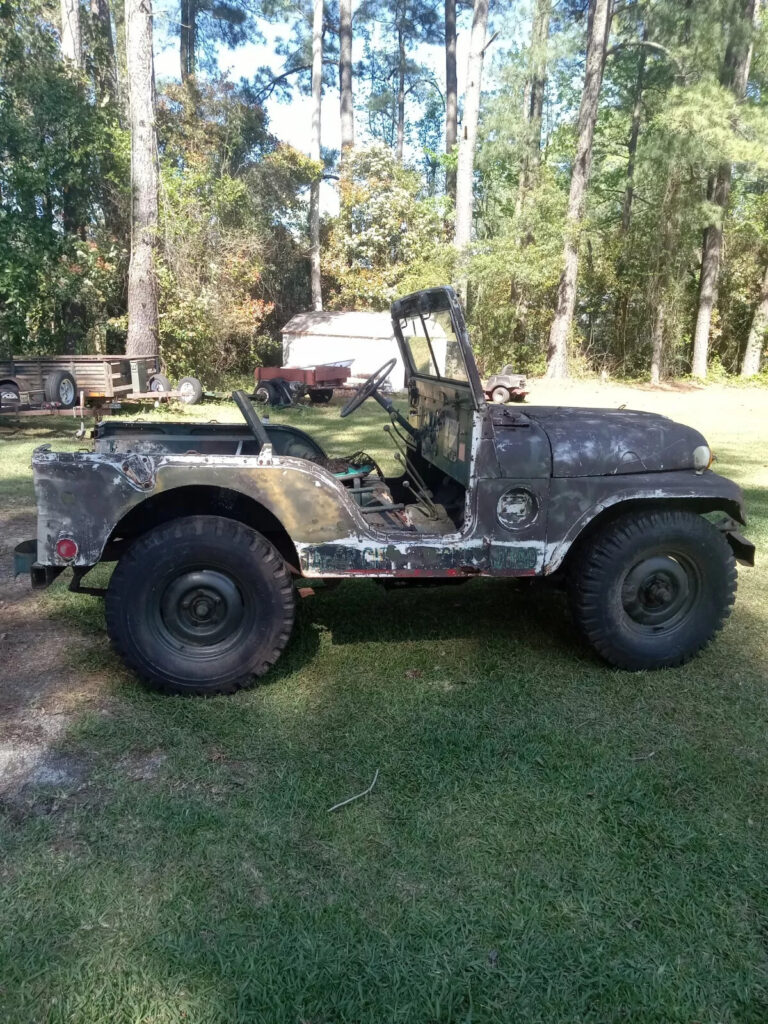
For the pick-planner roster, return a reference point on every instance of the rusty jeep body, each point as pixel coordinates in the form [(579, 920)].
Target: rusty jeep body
[(212, 525)]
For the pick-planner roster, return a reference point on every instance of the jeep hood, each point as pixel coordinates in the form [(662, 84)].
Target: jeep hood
[(603, 442)]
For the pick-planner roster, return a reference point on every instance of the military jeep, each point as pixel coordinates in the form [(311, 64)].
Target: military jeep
[(212, 525)]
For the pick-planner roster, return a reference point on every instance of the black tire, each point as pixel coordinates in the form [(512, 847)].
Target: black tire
[(190, 390), (500, 395), (320, 396), (651, 589), (60, 387), (159, 382), (9, 394), (265, 394), (199, 606)]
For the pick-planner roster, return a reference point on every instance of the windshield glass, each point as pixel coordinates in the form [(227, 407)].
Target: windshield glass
[(433, 345)]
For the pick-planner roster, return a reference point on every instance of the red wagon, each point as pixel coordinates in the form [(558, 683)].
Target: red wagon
[(283, 385)]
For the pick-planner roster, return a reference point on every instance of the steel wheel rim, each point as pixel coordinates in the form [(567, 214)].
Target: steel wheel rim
[(659, 592), (66, 391), (203, 609), (186, 391)]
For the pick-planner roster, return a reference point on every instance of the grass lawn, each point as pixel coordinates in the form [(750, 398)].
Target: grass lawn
[(549, 840)]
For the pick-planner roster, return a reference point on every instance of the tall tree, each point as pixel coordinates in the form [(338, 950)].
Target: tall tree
[(533, 96), (757, 332), (315, 153), (634, 135), (734, 75), (598, 28), (346, 99), (105, 68), (217, 21), (71, 33), (466, 164), (451, 93), (142, 279)]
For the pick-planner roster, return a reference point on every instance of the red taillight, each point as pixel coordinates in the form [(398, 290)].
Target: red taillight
[(66, 548)]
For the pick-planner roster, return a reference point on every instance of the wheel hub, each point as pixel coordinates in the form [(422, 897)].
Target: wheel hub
[(203, 607), (658, 592)]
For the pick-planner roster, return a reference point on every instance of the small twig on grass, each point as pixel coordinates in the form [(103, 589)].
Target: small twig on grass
[(644, 757), (357, 796)]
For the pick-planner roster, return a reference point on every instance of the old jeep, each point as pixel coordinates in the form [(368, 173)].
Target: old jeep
[(211, 525)]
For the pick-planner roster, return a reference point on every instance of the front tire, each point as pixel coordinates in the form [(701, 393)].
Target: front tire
[(200, 606), (652, 588)]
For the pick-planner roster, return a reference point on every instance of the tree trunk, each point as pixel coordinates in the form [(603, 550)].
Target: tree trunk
[(634, 134), (533, 98), (71, 35), (346, 99), (597, 38), (315, 153), (121, 66), (142, 281), (735, 74), (657, 339), (188, 38), (400, 94), (466, 165), (105, 72), (757, 331), (451, 92)]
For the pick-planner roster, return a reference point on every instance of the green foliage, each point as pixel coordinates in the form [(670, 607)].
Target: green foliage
[(229, 193), (385, 231), (62, 169)]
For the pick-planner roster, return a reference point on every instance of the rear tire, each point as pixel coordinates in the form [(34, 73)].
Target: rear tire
[(60, 387), (200, 606), (500, 395), (190, 390), (652, 588)]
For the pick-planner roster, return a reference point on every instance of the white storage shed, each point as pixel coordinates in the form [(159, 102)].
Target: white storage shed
[(367, 339)]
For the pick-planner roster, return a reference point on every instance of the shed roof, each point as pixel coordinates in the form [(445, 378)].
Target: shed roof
[(341, 325)]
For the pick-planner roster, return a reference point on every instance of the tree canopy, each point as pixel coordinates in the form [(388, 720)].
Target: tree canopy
[(670, 230)]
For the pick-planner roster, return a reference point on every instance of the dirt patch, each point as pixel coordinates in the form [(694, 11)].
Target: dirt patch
[(40, 692)]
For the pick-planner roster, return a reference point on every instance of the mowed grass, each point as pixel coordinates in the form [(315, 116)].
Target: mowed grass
[(548, 839)]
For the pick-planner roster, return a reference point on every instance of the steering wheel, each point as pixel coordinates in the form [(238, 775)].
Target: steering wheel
[(251, 417), (369, 388)]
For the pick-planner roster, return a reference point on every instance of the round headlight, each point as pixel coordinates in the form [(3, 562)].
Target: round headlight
[(702, 458)]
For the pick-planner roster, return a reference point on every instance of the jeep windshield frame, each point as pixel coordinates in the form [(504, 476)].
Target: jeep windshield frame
[(421, 305)]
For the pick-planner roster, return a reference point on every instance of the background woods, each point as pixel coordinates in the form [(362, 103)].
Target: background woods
[(593, 175)]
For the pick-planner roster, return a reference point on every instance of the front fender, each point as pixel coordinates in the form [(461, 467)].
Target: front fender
[(575, 503), (84, 495)]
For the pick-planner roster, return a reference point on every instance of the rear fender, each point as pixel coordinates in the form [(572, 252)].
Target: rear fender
[(85, 496)]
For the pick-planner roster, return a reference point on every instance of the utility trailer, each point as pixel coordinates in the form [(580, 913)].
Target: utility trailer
[(284, 385), (59, 380)]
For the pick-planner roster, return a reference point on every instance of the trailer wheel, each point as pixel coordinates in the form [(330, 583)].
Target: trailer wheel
[(190, 390), (60, 387), (200, 605), (320, 396), (159, 382), (265, 394), (500, 395), (9, 394)]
